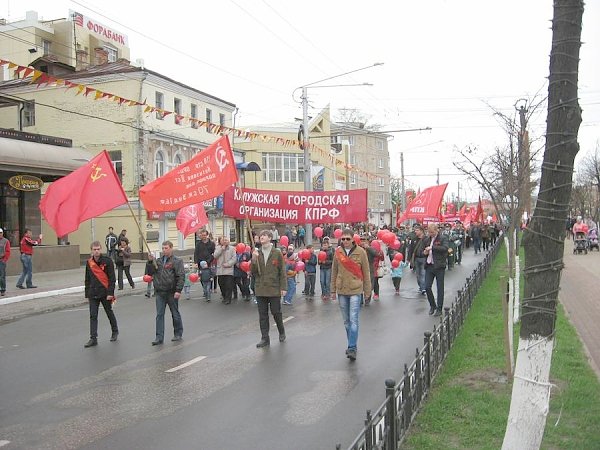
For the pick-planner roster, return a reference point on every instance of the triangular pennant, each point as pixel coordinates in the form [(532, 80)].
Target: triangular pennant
[(88, 90), (36, 75), (98, 95)]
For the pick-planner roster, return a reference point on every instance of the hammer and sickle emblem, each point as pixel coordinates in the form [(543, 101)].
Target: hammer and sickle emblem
[(221, 158), (96, 174)]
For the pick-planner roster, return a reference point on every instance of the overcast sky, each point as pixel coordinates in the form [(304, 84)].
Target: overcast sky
[(444, 62)]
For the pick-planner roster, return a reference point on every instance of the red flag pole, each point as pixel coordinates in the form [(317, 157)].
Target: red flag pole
[(247, 221), (141, 232)]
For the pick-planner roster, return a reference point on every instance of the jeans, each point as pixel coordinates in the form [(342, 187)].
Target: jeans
[(477, 245), (291, 290), (94, 306), (263, 315), (420, 268), (438, 274), (162, 300), (396, 281), (309, 283), (350, 307), (2, 276), (207, 287), (27, 271), (325, 281)]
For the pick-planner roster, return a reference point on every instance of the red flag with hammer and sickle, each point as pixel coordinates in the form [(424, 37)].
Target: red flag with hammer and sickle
[(191, 218), (206, 175), (86, 192)]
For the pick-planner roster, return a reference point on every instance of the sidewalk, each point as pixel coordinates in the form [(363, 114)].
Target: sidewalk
[(56, 290), (579, 296)]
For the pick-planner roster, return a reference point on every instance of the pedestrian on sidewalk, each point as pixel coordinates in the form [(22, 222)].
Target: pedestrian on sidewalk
[(123, 262), (111, 243), (100, 288), (350, 280), (4, 255), (269, 272), (168, 276), (226, 258), (27, 245), (436, 250)]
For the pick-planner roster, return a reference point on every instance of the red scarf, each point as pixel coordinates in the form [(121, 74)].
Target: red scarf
[(98, 272), (351, 266)]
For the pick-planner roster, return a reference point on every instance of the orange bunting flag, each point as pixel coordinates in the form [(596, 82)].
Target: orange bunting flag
[(207, 175), (86, 192)]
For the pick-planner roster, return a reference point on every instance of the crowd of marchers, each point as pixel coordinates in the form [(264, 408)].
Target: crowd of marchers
[(351, 263)]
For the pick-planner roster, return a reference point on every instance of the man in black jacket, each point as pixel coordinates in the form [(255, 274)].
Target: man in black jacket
[(100, 288), (205, 249), (436, 251), (168, 278)]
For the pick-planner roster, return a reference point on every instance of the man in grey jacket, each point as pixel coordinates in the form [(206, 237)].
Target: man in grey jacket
[(226, 259), (168, 277)]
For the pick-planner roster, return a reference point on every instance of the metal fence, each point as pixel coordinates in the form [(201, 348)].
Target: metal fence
[(386, 428)]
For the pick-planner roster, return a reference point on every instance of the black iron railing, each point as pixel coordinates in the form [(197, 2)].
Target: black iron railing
[(386, 428)]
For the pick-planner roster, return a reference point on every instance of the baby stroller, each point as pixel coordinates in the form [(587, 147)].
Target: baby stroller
[(580, 243), (593, 240)]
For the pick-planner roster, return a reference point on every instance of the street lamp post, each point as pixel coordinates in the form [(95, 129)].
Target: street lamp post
[(305, 134)]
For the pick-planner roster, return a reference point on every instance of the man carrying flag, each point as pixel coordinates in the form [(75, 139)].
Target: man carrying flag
[(100, 288)]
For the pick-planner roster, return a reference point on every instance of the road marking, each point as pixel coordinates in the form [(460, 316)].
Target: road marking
[(287, 319), (3, 443), (189, 363), (76, 309)]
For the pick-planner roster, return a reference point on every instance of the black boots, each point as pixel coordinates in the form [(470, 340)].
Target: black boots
[(264, 342), (91, 343)]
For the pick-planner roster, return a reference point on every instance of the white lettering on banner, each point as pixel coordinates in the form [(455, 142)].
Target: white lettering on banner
[(269, 213), (417, 209), (321, 213), (320, 200), (257, 197)]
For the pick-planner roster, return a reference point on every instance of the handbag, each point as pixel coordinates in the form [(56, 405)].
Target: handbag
[(382, 270)]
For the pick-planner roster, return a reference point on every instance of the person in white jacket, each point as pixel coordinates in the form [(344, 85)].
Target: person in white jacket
[(226, 259)]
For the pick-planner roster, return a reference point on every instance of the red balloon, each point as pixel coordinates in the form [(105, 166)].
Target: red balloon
[(398, 257), (376, 245), (318, 232), (322, 256), (389, 238), (337, 233), (395, 263), (396, 244), (299, 266), (284, 241), (147, 278), (356, 239), (240, 247), (305, 254), (245, 266), (193, 277), (247, 249), (380, 234)]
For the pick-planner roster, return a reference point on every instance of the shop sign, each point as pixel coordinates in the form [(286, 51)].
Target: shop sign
[(27, 183)]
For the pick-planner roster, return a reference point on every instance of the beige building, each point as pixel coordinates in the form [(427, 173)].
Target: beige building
[(367, 154), (143, 144)]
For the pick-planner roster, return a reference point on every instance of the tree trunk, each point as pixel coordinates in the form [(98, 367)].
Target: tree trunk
[(544, 240)]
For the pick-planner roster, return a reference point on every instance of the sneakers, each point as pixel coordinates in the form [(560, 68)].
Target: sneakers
[(351, 354), (157, 342), (437, 313), (114, 336), (91, 343), (376, 297), (285, 302), (20, 286), (263, 343), (176, 339)]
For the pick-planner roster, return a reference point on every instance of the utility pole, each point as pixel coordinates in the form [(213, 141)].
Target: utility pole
[(402, 191), (438, 177), (307, 168)]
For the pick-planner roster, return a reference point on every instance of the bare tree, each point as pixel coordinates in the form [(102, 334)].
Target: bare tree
[(544, 238), (357, 118), (586, 190)]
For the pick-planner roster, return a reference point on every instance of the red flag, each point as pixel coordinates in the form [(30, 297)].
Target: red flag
[(206, 175), (462, 212), (426, 204), (87, 192), (191, 218), (479, 213)]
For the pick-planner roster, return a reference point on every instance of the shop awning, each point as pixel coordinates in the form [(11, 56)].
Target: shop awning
[(46, 161)]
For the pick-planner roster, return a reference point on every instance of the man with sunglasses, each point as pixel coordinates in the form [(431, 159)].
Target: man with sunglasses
[(350, 280)]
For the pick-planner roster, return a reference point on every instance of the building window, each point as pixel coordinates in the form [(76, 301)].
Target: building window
[(351, 140), (336, 139), (353, 158), (380, 163), (380, 145), (381, 199), (194, 114), (159, 164), (111, 53), (380, 182), (177, 110), (178, 160), (353, 178), (222, 119), (160, 104), (117, 161), (283, 167), (29, 113), (208, 118), (46, 47)]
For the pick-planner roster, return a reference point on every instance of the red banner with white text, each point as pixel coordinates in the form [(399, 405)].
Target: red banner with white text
[(296, 207)]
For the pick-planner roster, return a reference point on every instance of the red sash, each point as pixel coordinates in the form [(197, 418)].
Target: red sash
[(98, 272), (350, 265)]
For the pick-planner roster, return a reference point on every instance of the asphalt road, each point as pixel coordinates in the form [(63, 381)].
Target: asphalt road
[(302, 394)]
